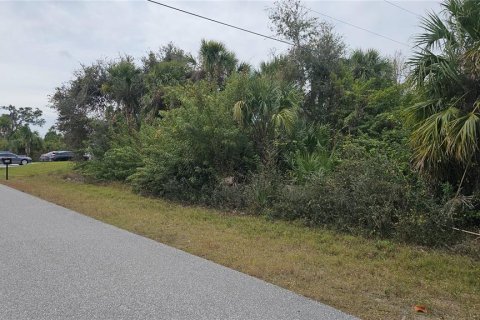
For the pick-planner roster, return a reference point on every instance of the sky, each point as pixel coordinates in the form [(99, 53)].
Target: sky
[(43, 42)]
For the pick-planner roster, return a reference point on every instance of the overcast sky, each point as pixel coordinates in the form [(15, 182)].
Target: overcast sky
[(43, 42)]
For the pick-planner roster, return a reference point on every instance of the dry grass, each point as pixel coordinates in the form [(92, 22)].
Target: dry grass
[(368, 278)]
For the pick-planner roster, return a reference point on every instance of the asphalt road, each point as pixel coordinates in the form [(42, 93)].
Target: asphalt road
[(58, 264)]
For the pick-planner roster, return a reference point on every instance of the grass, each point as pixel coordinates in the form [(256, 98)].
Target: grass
[(371, 279)]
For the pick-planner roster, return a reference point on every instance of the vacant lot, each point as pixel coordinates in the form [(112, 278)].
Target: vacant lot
[(368, 278)]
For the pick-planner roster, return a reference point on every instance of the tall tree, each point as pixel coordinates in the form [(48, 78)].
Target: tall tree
[(16, 118), (166, 53), (370, 64), (217, 62), (78, 101), (316, 53), (266, 108), (53, 140), (170, 67), (446, 74), (125, 86), (25, 141)]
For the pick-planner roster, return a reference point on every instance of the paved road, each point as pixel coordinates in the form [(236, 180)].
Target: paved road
[(58, 264)]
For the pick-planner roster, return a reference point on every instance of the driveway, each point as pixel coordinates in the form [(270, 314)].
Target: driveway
[(58, 264)]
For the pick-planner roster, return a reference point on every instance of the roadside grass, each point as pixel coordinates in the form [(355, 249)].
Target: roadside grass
[(371, 279)]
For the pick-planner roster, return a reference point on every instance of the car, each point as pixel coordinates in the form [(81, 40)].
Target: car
[(16, 159), (57, 156), (46, 156)]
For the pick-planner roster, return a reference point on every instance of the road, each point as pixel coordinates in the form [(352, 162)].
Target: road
[(58, 264)]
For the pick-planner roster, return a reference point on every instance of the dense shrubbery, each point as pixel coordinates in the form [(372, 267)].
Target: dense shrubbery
[(116, 164), (194, 147), (313, 135)]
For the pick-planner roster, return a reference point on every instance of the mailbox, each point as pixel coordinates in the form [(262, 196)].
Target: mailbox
[(6, 162)]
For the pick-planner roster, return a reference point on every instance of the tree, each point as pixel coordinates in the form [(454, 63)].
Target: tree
[(265, 108), (125, 86), (169, 67), (316, 53), (25, 141), (446, 75), (217, 62), (370, 64), (80, 100), (5, 126), (400, 70), (167, 53), (17, 118), (53, 140)]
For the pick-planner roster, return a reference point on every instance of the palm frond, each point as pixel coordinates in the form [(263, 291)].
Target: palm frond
[(436, 33), (429, 139), (238, 114), (464, 135), (422, 110), (284, 119)]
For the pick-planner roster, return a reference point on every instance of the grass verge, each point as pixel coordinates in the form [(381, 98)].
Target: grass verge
[(368, 278)]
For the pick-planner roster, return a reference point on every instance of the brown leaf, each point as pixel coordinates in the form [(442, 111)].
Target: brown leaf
[(420, 308)]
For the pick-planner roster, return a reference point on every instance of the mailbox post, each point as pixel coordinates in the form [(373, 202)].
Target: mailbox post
[(6, 162)]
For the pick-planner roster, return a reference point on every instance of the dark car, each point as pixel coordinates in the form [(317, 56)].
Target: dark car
[(16, 159), (57, 156)]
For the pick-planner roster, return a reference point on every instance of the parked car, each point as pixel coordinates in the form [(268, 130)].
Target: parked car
[(16, 159), (46, 156), (57, 156)]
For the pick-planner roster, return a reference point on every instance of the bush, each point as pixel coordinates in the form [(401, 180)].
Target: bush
[(116, 164), (357, 196), (193, 148), (372, 197)]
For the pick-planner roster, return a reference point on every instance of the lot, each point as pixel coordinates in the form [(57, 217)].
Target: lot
[(372, 279)]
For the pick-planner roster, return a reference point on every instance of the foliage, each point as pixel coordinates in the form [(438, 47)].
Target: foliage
[(445, 73), (371, 195), (194, 147), (78, 101), (54, 140), (370, 65), (317, 55), (116, 164), (217, 62), (17, 118), (124, 85), (313, 134), (24, 141), (265, 108), (15, 132)]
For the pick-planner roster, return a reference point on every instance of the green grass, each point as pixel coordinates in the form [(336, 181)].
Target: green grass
[(37, 169), (371, 279)]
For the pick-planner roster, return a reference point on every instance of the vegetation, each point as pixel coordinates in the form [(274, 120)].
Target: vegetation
[(17, 136), (369, 278), (446, 75), (341, 174), (316, 135)]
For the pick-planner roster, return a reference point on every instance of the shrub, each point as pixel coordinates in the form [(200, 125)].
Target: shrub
[(116, 164), (193, 148), (370, 196), (357, 196)]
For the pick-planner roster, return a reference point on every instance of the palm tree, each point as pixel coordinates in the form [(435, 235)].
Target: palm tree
[(217, 61), (446, 74), (25, 140), (267, 109), (370, 64), (125, 86)]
